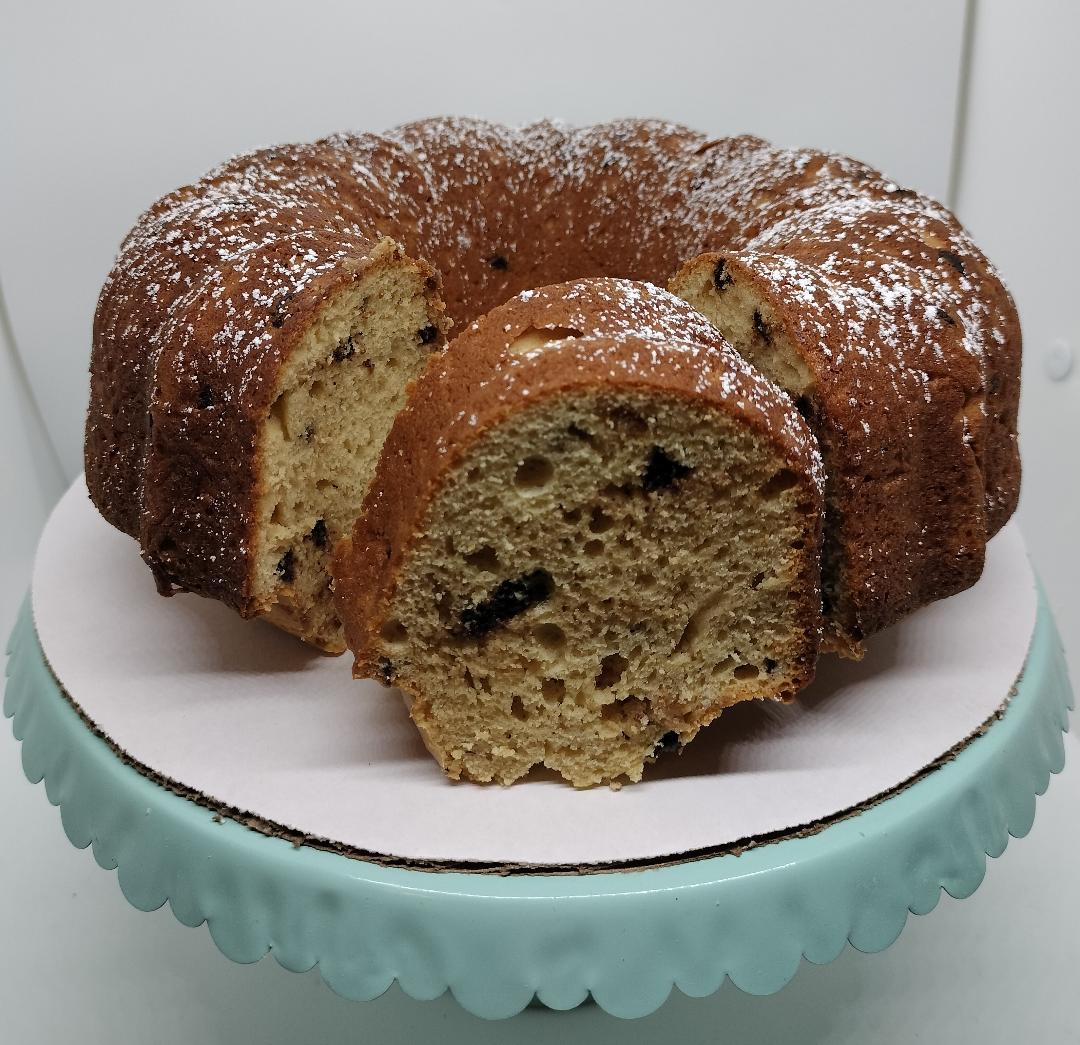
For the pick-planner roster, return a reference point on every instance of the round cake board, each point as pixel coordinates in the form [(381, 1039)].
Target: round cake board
[(246, 720)]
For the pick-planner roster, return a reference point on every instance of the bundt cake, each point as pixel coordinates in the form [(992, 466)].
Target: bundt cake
[(591, 529), (253, 342)]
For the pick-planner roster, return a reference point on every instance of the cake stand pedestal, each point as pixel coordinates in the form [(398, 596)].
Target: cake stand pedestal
[(621, 938)]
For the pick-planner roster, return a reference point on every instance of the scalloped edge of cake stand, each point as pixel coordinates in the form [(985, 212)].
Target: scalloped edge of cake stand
[(623, 939)]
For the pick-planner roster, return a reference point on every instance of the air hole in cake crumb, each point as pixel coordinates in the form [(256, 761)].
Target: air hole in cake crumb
[(472, 475), (517, 709), (696, 624), (573, 515), (612, 668), (770, 665), (746, 671), (724, 666), (206, 397), (645, 580), (426, 335), (551, 637), (279, 514), (757, 580), (690, 635), (594, 548), (782, 481), (553, 690), (668, 742), (498, 262), (581, 433), (279, 412), (805, 407), (626, 710), (625, 417), (600, 521), (442, 605), (533, 474), (617, 491), (394, 632), (484, 558)]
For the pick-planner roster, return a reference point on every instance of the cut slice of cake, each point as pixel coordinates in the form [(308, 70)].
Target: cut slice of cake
[(585, 538)]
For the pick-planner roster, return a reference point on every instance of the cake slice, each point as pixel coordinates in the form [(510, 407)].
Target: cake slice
[(585, 537)]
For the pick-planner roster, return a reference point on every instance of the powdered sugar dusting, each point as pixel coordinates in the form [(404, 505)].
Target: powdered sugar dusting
[(193, 321)]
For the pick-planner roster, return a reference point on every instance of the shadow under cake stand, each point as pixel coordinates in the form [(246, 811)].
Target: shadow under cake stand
[(222, 768)]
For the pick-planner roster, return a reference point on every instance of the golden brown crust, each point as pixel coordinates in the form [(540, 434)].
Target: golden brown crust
[(630, 340), (216, 281)]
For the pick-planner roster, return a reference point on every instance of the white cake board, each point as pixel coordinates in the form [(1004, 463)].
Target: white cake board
[(248, 718)]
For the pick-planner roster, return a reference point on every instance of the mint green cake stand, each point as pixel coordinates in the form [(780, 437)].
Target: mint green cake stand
[(622, 939)]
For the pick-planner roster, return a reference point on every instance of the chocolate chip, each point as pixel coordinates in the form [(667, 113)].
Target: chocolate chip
[(385, 671), (770, 664), (721, 278), (951, 259), (944, 317), (286, 567), (508, 599), (499, 262), (206, 397), (668, 742), (662, 471), (318, 534), (578, 432), (425, 335), (625, 417), (345, 350), (761, 328)]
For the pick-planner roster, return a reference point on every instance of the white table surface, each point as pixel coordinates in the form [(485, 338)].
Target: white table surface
[(78, 964)]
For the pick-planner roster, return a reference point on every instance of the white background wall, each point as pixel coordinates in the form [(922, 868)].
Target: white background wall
[(1019, 193), (107, 105)]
